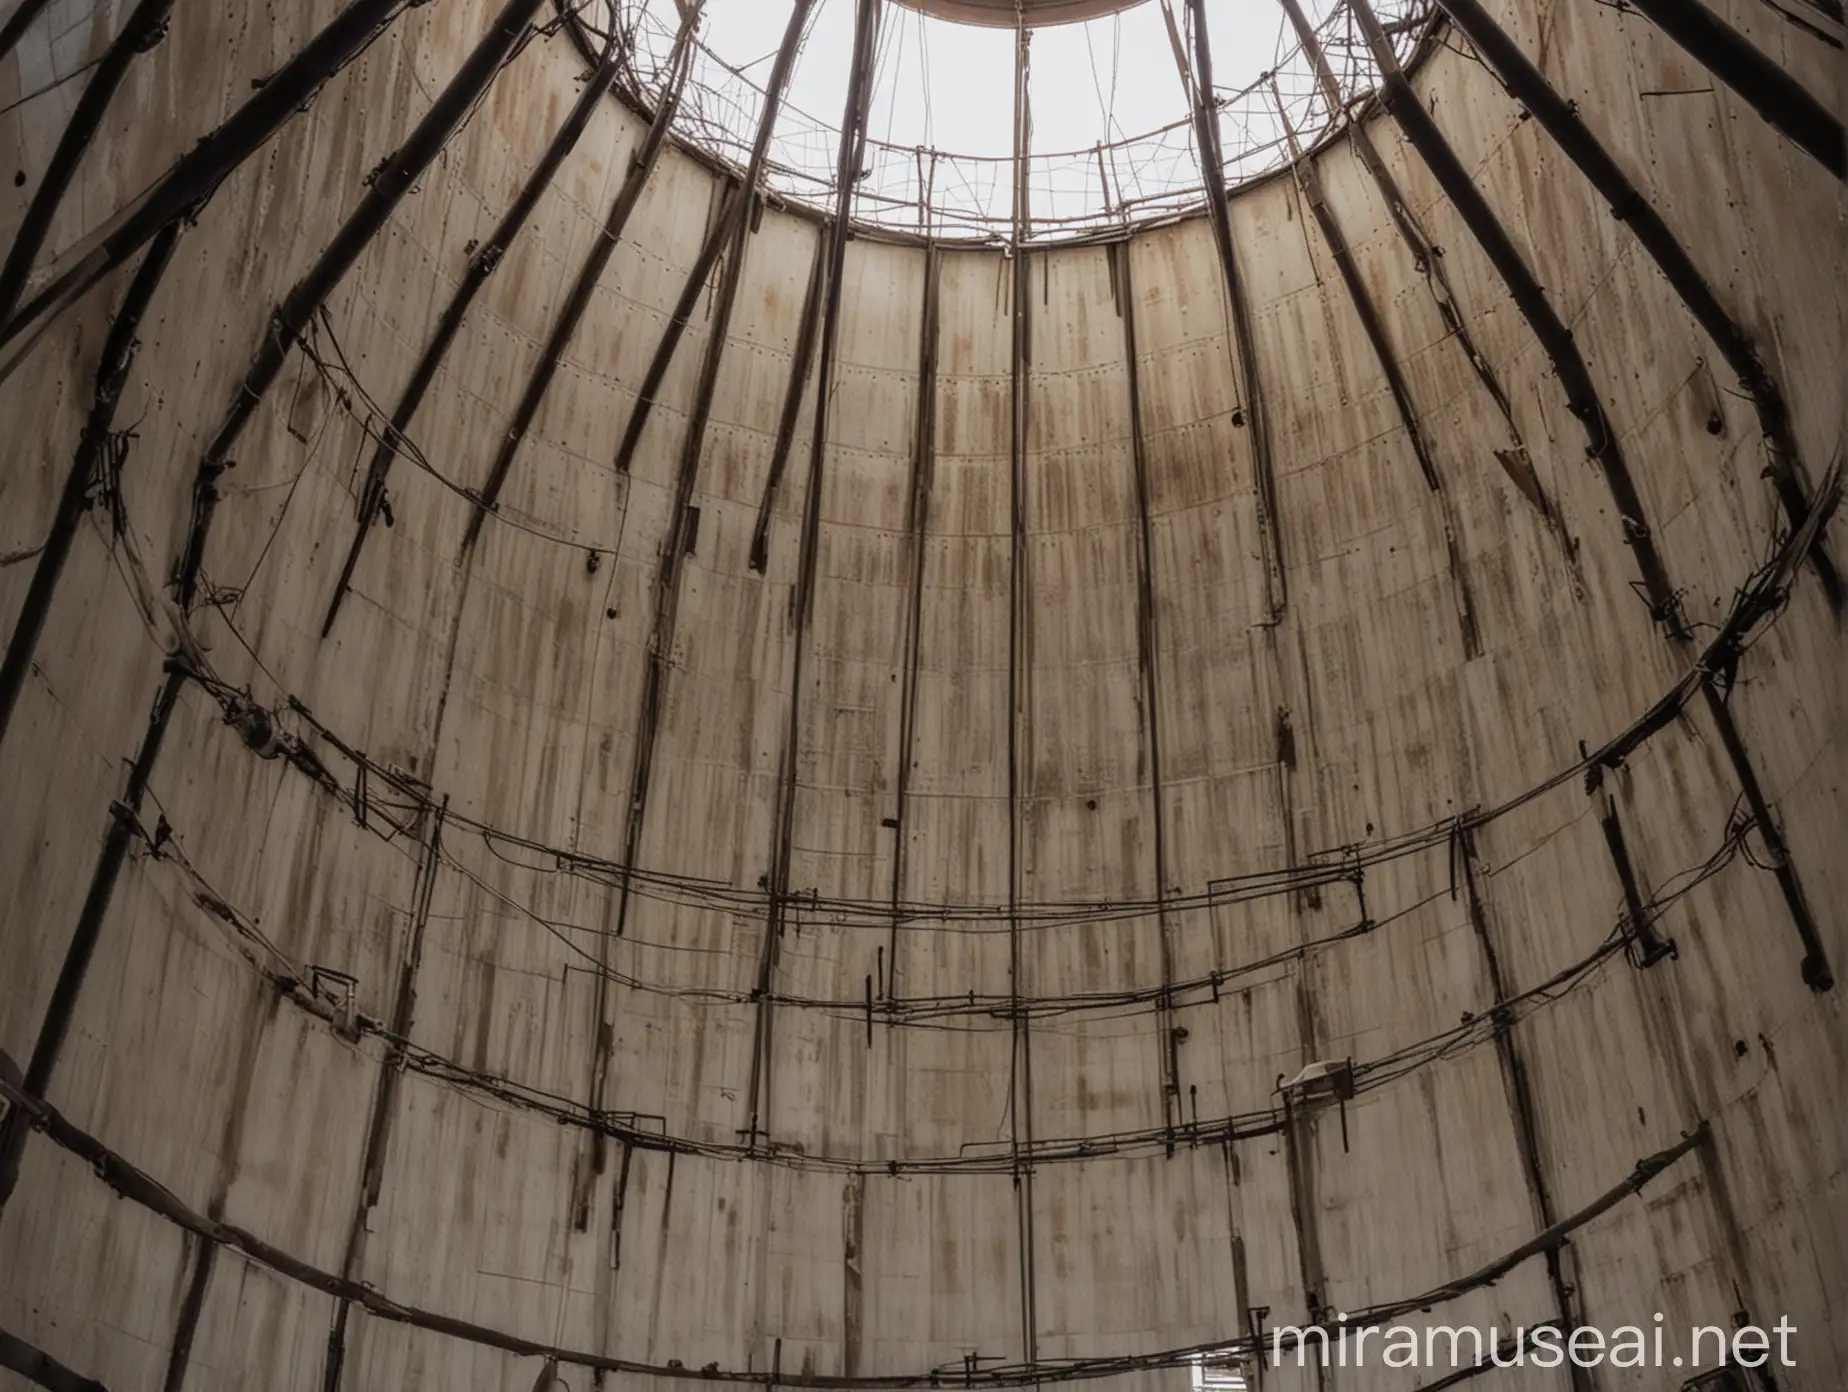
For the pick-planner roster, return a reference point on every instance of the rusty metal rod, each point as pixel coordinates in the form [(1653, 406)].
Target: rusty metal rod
[(710, 251), (1360, 299), (792, 405), (1818, 975), (1199, 82), (1517, 1080), (41, 1369), (1148, 656), (124, 828), (917, 532)]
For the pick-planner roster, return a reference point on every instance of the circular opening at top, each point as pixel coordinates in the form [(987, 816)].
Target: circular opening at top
[(1009, 13), (1111, 139)]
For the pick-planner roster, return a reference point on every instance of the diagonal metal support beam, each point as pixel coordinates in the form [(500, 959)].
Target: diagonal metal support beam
[(571, 315), (1569, 364), (197, 174), (390, 183), (1360, 298), (41, 1369), (792, 405), (1772, 92), (729, 237), (18, 22), (1817, 974), (867, 14), (1198, 80), (385, 1095), (697, 279), (1517, 1082), (1429, 263), (93, 449), (143, 29), (1556, 340), (124, 829), (485, 261), (1560, 120)]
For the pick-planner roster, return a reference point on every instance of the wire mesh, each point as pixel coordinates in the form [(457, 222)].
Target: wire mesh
[(1071, 194)]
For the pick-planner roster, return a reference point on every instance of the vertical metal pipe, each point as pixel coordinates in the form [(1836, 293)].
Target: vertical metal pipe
[(792, 404), (731, 234), (385, 1096), (1199, 84), (1636, 912), (1020, 683), (917, 529), (1148, 652), (1517, 1082)]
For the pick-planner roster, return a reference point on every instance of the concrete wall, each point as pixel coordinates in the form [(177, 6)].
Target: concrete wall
[(1116, 649)]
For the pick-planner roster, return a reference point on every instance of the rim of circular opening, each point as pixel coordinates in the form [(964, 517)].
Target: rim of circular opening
[(1412, 25)]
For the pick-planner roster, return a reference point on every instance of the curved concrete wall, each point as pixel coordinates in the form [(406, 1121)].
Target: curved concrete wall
[(1106, 691)]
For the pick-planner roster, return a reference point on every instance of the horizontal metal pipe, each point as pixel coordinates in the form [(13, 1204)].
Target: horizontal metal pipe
[(142, 1189)]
